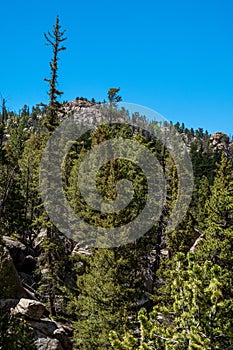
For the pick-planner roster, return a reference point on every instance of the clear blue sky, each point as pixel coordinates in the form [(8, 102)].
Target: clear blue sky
[(174, 56)]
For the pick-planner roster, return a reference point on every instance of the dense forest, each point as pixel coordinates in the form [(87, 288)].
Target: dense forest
[(163, 290)]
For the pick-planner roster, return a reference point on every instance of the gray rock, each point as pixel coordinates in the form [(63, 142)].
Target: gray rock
[(45, 326), (62, 336), (17, 250), (69, 331), (219, 141), (45, 343), (30, 308), (10, 284)]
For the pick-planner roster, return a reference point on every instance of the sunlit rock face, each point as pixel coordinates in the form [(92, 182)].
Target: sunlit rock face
[(220, 141)]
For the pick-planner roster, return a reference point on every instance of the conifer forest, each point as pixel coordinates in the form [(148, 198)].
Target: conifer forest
[(146, 287)]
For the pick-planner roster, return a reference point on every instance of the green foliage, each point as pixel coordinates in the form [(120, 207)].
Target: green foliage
[(201, 200), (54, 39), (8, 286), (107, 291), (4, 113), (55, 273), (198, 316), (113, 96), (19, 132), (15, 333), (203, 160), (193, 292), (106, 179), (218, 244), (29, 164), (10, 195), (182, 238)]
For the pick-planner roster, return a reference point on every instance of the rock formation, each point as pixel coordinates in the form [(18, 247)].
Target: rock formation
[(22, 300), (220, 141)]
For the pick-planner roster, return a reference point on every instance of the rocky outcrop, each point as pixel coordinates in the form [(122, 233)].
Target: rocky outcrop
[(21, 255), (75, 107), (17, 250), (17, 270), (45, 343), (45, 326), (21, 297), (49, 335), (77, 104), (32, 309), (88, 112), (220, 141), (10, 277), (62, 334)]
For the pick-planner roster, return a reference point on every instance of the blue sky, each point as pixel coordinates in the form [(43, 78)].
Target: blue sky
[(174, 56)]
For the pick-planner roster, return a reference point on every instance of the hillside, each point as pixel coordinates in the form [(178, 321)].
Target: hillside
[(159, 288)]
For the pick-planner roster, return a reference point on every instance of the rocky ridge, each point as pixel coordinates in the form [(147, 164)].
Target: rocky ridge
[(89, 110)]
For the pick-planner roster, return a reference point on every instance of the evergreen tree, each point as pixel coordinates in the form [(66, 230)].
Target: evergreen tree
[(196, 317), (107, 290), (218, 243), (29, 164), (194, 307), (52, 268), (113, 96), (200, 202), (4, 112), (55, 40), (11, 198)]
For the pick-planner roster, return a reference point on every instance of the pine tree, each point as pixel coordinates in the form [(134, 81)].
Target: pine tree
[(11, 200), (218, 243), (55, 40), (107, 292), (4, 112), (200, 202), (113, 96), (196, 317), (29, 185)]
